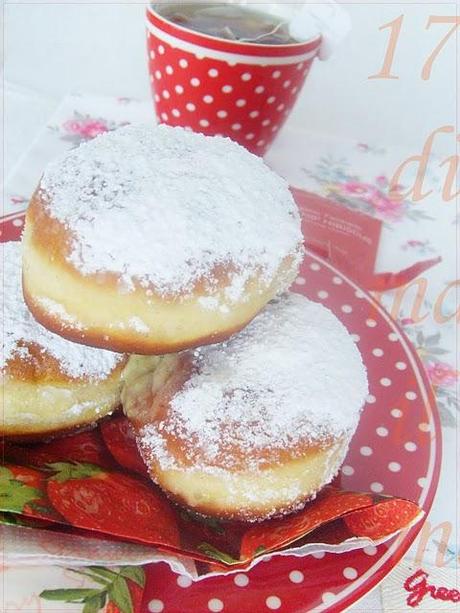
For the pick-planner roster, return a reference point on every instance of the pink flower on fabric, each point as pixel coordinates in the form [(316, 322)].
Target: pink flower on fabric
[(86, 128), (383, 204), (441, 374), (391, 209), (356, 188)]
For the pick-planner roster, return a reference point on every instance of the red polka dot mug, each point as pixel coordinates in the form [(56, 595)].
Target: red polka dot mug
[(215, 86)]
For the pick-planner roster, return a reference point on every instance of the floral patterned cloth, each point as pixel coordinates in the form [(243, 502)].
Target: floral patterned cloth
[(357, 175)]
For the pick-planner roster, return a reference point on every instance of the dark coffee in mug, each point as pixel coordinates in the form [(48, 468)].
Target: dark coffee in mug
[(228, 21)]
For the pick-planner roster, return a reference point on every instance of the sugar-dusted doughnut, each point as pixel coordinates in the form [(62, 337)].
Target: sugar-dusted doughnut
[(48, 384), (154, 239), (254, 427)]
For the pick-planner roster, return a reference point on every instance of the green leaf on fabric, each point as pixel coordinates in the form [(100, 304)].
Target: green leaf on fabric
[(119, 594), (95, 603), (66, 471), (14, 495), (215, 554), (69, 595), (108, 574), (135, 573), (436, 351), (433, 339), (92, 576)]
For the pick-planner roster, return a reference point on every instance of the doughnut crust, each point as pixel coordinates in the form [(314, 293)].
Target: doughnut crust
[(254, 427), (38, 399), (48, 385), (153, 240)]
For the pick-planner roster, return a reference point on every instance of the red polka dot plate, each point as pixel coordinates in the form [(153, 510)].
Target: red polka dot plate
[(396, 450)]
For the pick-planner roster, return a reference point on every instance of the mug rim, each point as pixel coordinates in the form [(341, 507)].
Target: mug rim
[(296, 48)]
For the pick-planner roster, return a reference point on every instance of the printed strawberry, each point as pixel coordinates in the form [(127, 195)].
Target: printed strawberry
[(275, 533), (383, 519), (22, 490), (94, 499), (82, 447), (119, 437), (118, 591)]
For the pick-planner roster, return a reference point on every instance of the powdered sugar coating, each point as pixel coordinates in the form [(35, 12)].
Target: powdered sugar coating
[(293, 375), (76, 361), (165, 207)]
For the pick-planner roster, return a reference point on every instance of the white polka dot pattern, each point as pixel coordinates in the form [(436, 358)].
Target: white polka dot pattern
[(328, 597), (241, 580), (350, 573), (273, 603), (236, 85), (296, 576), (184, 581), (370, 550), (215, 605)]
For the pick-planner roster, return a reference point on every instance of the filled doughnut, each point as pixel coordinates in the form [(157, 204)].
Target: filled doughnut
[(48, 384), (151, 240), (254, 427)]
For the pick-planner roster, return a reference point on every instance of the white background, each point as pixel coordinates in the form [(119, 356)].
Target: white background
[(100, 48)]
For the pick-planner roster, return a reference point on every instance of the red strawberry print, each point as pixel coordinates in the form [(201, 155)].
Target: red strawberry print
[(119, 437), (382, 519), (23, 491), (94, 499), (82, 447), (273, 534)]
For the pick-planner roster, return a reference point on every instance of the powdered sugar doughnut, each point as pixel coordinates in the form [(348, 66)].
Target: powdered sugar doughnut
[(254, 427), (47, 383), (154, 239)]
